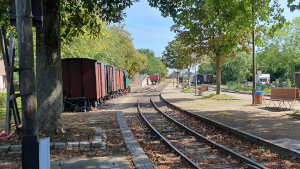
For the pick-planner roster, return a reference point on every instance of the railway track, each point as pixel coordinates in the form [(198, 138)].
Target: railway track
[(192, 146), (227, 147)]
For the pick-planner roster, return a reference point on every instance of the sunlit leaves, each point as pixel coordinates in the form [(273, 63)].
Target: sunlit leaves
[(113, 46)]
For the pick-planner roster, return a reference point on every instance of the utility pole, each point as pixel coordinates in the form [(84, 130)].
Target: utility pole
[(253, 55), (173, 77), (30, 153), (195, 79)]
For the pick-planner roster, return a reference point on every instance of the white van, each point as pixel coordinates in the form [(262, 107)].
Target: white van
[(263, 78)]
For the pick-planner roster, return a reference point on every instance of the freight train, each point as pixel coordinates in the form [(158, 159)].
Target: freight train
[(88, 82), (203, 79)]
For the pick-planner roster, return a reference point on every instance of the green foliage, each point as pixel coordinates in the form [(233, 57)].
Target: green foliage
[(113, 47), (3, 100), (238, 69), (154, 64), (176, 56), (3, 97), (207, 68), (296, 112), (281, 51)]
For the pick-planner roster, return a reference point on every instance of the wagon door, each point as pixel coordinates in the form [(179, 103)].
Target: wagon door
[(103, 84), (98, 80)]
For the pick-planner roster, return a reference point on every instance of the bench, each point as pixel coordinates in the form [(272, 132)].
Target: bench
[(282, 96)]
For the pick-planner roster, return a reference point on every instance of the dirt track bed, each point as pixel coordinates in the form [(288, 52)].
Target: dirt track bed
[(158, 153), (80, 122), (257, 153)]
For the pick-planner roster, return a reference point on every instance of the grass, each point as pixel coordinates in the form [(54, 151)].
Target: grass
[(190, 90), (200, 105), (133, 86), (222, 114), (215, 96)]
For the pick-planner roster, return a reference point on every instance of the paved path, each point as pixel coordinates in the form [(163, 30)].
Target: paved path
[(138, 156), (89, 163), (240, 114)]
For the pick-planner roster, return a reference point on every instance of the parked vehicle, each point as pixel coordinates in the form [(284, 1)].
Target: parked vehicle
[(263, 78), (199, 79), (155, 79), (208, 79), (92, 81)]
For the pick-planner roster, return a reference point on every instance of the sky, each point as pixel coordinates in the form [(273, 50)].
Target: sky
[(150, 30)]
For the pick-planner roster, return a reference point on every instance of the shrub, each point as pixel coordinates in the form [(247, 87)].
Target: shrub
[(3, 100)]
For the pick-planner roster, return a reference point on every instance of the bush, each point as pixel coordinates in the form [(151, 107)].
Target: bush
[(3, 98)]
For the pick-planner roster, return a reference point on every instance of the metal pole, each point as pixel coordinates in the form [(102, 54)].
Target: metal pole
[(195, 77), (253, 55), (27, 84), (173, 77)]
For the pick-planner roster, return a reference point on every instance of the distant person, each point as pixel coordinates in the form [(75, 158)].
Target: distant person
[(277, 83)]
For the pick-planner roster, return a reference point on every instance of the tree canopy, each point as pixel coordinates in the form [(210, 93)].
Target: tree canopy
[(154, 64), (113, 46), (219, 28), (281, 51)]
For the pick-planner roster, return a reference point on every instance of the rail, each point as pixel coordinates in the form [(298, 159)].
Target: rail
[(257, 140), (165, 140), (234, 155)]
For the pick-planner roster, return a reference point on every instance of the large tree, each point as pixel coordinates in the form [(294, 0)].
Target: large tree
[(282, 49), (177, 56), (62, 20), (114, 47), (219, 26)]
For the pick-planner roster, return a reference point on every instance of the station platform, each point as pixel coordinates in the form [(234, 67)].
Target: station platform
[(269, 124)]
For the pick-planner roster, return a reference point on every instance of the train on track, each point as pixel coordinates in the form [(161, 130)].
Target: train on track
[(155, 79), (207, 79), (88, 82)]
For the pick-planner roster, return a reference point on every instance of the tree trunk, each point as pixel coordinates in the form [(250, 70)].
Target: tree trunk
[(48, 69), (218, 62), (177, 79), (293, 75)]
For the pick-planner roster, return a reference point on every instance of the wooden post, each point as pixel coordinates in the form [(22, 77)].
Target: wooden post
[(253, 55), (27, 77)]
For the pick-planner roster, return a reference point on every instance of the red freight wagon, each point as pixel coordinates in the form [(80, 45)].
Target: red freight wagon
[(208, 78), (90, 81), (155, 79), (79, 78)]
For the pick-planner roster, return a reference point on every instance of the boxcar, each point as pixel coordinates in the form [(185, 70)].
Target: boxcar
[(208, 78), (92, 80), (199, 79), (155, 78), (180, 79)]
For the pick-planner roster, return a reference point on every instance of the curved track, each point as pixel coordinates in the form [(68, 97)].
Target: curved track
[(192, 146)]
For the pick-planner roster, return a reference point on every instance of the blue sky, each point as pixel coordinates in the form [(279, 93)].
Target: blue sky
[(148, 28)]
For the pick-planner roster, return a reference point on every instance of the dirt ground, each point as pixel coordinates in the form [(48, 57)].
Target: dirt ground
[(107, 120), (266, 123)]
